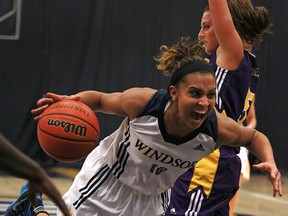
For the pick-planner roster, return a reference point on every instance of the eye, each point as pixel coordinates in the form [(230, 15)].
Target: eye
[(211, 95), (195, 93), (206, 27)]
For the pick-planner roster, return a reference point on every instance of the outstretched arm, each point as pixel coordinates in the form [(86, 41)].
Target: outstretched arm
[(20, 165), (232, 134), (230, 51), (127, 103)]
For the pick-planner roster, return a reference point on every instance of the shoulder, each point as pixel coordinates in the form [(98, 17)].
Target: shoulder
[(156, 103), (135, 99), (228, 59), (137, 94), (144, 91)]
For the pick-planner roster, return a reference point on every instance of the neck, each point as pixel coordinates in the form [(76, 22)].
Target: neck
[(173, 122)]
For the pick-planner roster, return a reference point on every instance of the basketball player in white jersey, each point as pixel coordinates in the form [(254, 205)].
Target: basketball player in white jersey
[(163, 134)]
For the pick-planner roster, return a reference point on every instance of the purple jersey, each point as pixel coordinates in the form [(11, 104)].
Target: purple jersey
[(207, 188), (236, 89)]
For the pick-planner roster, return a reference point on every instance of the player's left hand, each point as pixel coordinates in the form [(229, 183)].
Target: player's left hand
[(273, 175)]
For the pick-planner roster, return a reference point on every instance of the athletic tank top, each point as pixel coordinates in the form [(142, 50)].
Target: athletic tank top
[(236, 88), (145, 157)]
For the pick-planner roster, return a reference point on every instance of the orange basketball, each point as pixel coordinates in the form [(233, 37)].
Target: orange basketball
[(68, 130)]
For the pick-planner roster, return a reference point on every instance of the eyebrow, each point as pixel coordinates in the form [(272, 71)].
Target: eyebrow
[(196, 88), (205, 22)]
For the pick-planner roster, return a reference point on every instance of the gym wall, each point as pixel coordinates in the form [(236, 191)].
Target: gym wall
[(108, 45)]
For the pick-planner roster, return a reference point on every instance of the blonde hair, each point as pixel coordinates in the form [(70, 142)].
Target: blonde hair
[(171, 59)]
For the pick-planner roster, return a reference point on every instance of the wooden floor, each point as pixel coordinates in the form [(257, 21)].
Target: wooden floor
[(255, 196)]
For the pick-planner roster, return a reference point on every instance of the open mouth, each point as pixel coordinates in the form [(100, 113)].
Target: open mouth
[(198, 115)]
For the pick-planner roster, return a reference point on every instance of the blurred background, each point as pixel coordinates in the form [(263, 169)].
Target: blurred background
[(72, 45)]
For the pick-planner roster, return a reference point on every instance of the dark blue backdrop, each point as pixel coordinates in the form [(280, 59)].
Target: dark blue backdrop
[(69, 46)]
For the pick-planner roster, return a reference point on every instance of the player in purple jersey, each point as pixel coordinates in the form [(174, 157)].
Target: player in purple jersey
[(208, 188)]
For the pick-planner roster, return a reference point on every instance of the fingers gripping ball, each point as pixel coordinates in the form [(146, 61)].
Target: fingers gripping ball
[(68, 130)]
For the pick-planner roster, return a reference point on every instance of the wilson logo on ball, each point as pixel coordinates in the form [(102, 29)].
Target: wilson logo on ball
[(68, 127), (68, 130)]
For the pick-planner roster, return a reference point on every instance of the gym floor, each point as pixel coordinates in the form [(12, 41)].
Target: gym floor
[(255, 196)]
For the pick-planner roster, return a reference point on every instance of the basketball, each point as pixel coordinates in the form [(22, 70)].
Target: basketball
[(68, 130)]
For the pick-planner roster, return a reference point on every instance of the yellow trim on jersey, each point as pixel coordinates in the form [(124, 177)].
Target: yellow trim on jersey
[(208, 166), (247, 103)]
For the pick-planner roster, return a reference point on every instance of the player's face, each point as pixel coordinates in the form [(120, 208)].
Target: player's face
[(195, 98), (207, 34)]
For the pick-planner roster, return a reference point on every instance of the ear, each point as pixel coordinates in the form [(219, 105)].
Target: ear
[(173, 92)]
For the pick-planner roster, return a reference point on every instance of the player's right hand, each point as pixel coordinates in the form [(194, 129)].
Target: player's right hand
[(49, 99)]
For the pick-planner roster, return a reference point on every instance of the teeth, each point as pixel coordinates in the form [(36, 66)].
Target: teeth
[(200, 112)]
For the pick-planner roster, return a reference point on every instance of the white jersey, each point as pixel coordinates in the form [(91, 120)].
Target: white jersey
[(141, 155)]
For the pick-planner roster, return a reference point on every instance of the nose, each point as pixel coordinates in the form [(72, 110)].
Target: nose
[(204, 101), (200, 35)]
